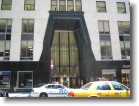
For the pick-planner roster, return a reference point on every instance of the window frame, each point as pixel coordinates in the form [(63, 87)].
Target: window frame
[(6, 38), (101, 9), (121, 28), (4, 4), (54, 5), (62, 5), (70, 6), (8, 81), (26, 57), (28, 26), (104, 32), (121, 8), (18, 76), (106, 56), (125, 50), (29, 6), (76, 6)]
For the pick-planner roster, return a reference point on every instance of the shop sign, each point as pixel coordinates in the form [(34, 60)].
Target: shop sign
[(126, 66)]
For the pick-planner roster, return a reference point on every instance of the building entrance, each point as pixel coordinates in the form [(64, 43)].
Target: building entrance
[(64, 51)]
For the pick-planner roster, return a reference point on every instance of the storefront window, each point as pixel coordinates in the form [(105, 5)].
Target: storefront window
[(109, 74), (5, 79), (25, 79), (125, 77)]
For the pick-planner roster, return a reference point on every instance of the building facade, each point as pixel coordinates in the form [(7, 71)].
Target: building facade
[(69, 41)]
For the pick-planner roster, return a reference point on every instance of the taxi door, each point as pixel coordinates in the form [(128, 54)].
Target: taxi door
[(103, 89), (119, 90)]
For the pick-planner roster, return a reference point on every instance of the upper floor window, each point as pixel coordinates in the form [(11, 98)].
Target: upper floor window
[(62, 5), (5, 38), (53, 5), (78, 5), (125, 49), (27, 39), (6, 5), (106, 52), (121, 7), (70, 5), (29, 5), (28, 26), (66, 5), (101, 6), (103, 27), (124, 27)]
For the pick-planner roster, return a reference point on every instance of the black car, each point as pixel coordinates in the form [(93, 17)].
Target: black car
[(3, 93)]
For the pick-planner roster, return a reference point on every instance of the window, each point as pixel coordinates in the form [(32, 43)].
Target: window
[(87, 86), (59, 86), (5, 79), (124, 27), (27, 39), (78, 5), (29, 5), (103, 27), (106, 52), (118, 86), (62, 5), (28, 26), (53, 5), (5, 38), (6, 5), (121, 7), (66, 5), (101, 6), (103, 86), (25, 79), (50, 86), (70, 5), (125, 49), (26, 50)]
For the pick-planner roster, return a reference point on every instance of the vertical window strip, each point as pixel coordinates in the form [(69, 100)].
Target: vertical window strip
[(5, 38), (26, 42)]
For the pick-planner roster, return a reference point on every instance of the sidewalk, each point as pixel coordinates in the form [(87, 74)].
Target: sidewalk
[(19, 94)]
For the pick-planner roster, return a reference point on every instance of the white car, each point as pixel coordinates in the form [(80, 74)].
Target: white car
[(50, 90)]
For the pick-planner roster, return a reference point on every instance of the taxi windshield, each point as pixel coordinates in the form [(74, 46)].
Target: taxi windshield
[(86, 86)]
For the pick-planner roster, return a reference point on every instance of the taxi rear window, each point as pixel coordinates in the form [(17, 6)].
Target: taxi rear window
[(86, 86)]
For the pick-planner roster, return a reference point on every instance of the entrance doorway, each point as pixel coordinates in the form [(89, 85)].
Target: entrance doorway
[(64, 51)]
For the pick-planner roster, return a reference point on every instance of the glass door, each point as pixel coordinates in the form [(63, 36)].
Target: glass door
[(64, 51)]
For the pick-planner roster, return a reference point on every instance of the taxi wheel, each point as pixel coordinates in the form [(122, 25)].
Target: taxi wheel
[(43, 95)]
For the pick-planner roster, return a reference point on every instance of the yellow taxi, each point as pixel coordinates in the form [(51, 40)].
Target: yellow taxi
[(100, 89)]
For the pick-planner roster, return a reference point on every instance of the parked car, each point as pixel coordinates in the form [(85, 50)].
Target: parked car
[(3, 93), (101, 89), (50, 90)]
